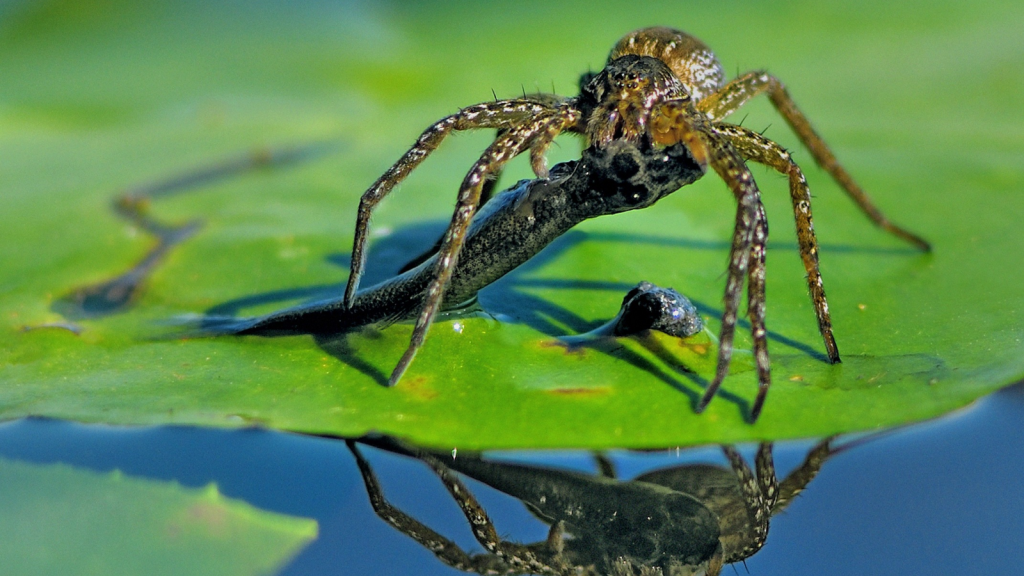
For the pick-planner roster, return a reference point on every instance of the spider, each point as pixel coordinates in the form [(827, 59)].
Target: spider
[(688, 519), (664, 87)]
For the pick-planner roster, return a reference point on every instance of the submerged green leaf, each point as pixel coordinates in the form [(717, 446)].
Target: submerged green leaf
[(57, 519), (80, 119)]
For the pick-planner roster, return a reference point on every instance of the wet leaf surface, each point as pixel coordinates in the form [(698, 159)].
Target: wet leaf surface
[(96, 102)]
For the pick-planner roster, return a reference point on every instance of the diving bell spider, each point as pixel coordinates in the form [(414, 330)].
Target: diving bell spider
[(661, 87)]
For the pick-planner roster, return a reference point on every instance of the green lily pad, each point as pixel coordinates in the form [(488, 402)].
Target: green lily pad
[(920, 103), (57, 519)]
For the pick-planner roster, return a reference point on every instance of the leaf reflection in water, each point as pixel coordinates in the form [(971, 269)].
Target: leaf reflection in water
[(683, 520)]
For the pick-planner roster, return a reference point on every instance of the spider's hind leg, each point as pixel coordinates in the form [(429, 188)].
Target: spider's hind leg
[(733, 95)]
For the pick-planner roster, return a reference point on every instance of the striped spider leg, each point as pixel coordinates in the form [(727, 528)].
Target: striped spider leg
[(523, 124), (501, 556), (536, 133), (733, 95), (678, 121), (700, 72), (502, 115), (659, 86)]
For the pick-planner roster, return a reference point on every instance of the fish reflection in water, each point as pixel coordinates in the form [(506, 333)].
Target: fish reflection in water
[(684, 520)]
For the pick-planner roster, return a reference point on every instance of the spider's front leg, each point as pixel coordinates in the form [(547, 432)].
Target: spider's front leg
[(751, 488), (504, 148), (756, 310), (445, 550), (759, 149), (747, 254), (676, 121), (764, 463), (502, 114), (519, 558), (733, 95), (760, 495), (764, 496)]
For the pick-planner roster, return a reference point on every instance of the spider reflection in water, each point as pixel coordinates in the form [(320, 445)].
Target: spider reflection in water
[(684, 520), (660, 87)]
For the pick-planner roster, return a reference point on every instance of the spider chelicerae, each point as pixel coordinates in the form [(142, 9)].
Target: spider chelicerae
[(660, 87)]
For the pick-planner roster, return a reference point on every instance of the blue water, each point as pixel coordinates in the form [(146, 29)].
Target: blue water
[(944, 497)]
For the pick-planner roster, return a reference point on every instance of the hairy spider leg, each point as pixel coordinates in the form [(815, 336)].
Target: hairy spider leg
[(749, 233), (445, 550), (759, 149), (539, 149), (518, 557), (798, 479), (756, 310), (480, 523), (738, 91), (492, 160), (503, 114), (486, 192), (758, 511), (502, 557), (678, 121), (764, 464)]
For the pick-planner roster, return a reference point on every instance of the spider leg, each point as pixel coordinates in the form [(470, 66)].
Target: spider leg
[(503, 114), (675, 121), (570, 116), (539, 149), (487, 191), (605, 466), (758, 511), (493, 159), (445, 550), (764, 463), (480, 522), (798, 479), (755, 147), (518, 557), (749, 233), (756, 311), (737, 92)]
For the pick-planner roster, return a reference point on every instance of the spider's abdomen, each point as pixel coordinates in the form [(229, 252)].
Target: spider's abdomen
[(693, 63)]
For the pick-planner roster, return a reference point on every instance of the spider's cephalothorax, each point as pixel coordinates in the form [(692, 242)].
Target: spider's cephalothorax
[(646, 69), (660, 87), (617, 102)]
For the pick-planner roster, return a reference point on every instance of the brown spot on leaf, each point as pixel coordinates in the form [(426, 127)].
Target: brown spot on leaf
[(578, 391), (419, 387)]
